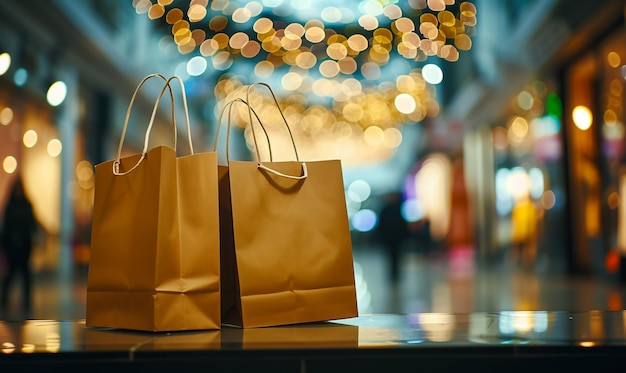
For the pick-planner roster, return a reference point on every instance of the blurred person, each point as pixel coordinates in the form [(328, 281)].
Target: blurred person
[(392, 231), (524, 226), (460, 236), (16, 239), (461, 228)]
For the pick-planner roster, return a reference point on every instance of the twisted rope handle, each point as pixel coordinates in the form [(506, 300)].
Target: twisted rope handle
[(229, 105), (260, 165), (116, 163)]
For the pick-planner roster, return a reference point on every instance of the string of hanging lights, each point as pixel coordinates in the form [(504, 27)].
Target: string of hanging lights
[(336, 61)]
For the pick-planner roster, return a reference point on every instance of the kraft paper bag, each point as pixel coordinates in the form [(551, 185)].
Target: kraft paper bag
[(154, 263), (285, 241)]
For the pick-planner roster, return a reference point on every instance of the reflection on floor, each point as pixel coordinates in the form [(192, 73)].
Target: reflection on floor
[(453, 283), (450, 283)]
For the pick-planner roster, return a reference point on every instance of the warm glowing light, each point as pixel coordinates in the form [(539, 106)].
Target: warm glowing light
[(329, 69), (56, 93), (518, 183), (315, 34), (28, 348), (519, 126), (251, 49), (85, 174), (392, 137), (436, 5), (613, 59), (8, 348), (30, 138), (5, 62), (392, 11), (156, 11), (360, 125), (368, 22), (242, 15), (291, 81), (523, 321), (438, 327), (9, 164), (582, 117), (53, 342), (263, 69), (358, 42), (6, 116), (374, 136), (54, 147), (196, 12), (405, 103), (432, 185)]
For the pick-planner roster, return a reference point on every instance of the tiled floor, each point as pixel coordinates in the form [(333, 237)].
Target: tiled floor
[(438, 283)]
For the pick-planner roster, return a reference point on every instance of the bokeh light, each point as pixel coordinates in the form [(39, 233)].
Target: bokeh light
[(334, 64), (9, 164), (364, 220), (30, 138), (56, 93), (359, 190), (6, 116), (582, 117), (54, 147), (5, 62)]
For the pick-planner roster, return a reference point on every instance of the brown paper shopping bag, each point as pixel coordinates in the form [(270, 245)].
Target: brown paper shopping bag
[(154, 261), (285, 242)]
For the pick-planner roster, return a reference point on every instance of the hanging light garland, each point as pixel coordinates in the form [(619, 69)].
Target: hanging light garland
[(415, 31), (338, 54)]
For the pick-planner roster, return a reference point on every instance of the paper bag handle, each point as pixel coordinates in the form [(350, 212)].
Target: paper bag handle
[(229, 105), (116, 163), (295, 150)]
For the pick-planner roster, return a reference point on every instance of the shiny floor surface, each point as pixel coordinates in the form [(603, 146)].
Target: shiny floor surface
[(519, 341), (451, 283)]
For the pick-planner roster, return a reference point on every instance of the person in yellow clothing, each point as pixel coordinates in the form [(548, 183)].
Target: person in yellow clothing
[(524, 230)]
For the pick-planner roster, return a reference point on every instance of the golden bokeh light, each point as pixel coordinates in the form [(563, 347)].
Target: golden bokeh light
[(9, 164), (156, 11), (54, 147), (336, 55), (384, 29), (174, 15), (6, 116), (582, 117), (30, 138)]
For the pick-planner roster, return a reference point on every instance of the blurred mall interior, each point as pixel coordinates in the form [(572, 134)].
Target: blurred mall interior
[(482, 141)]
